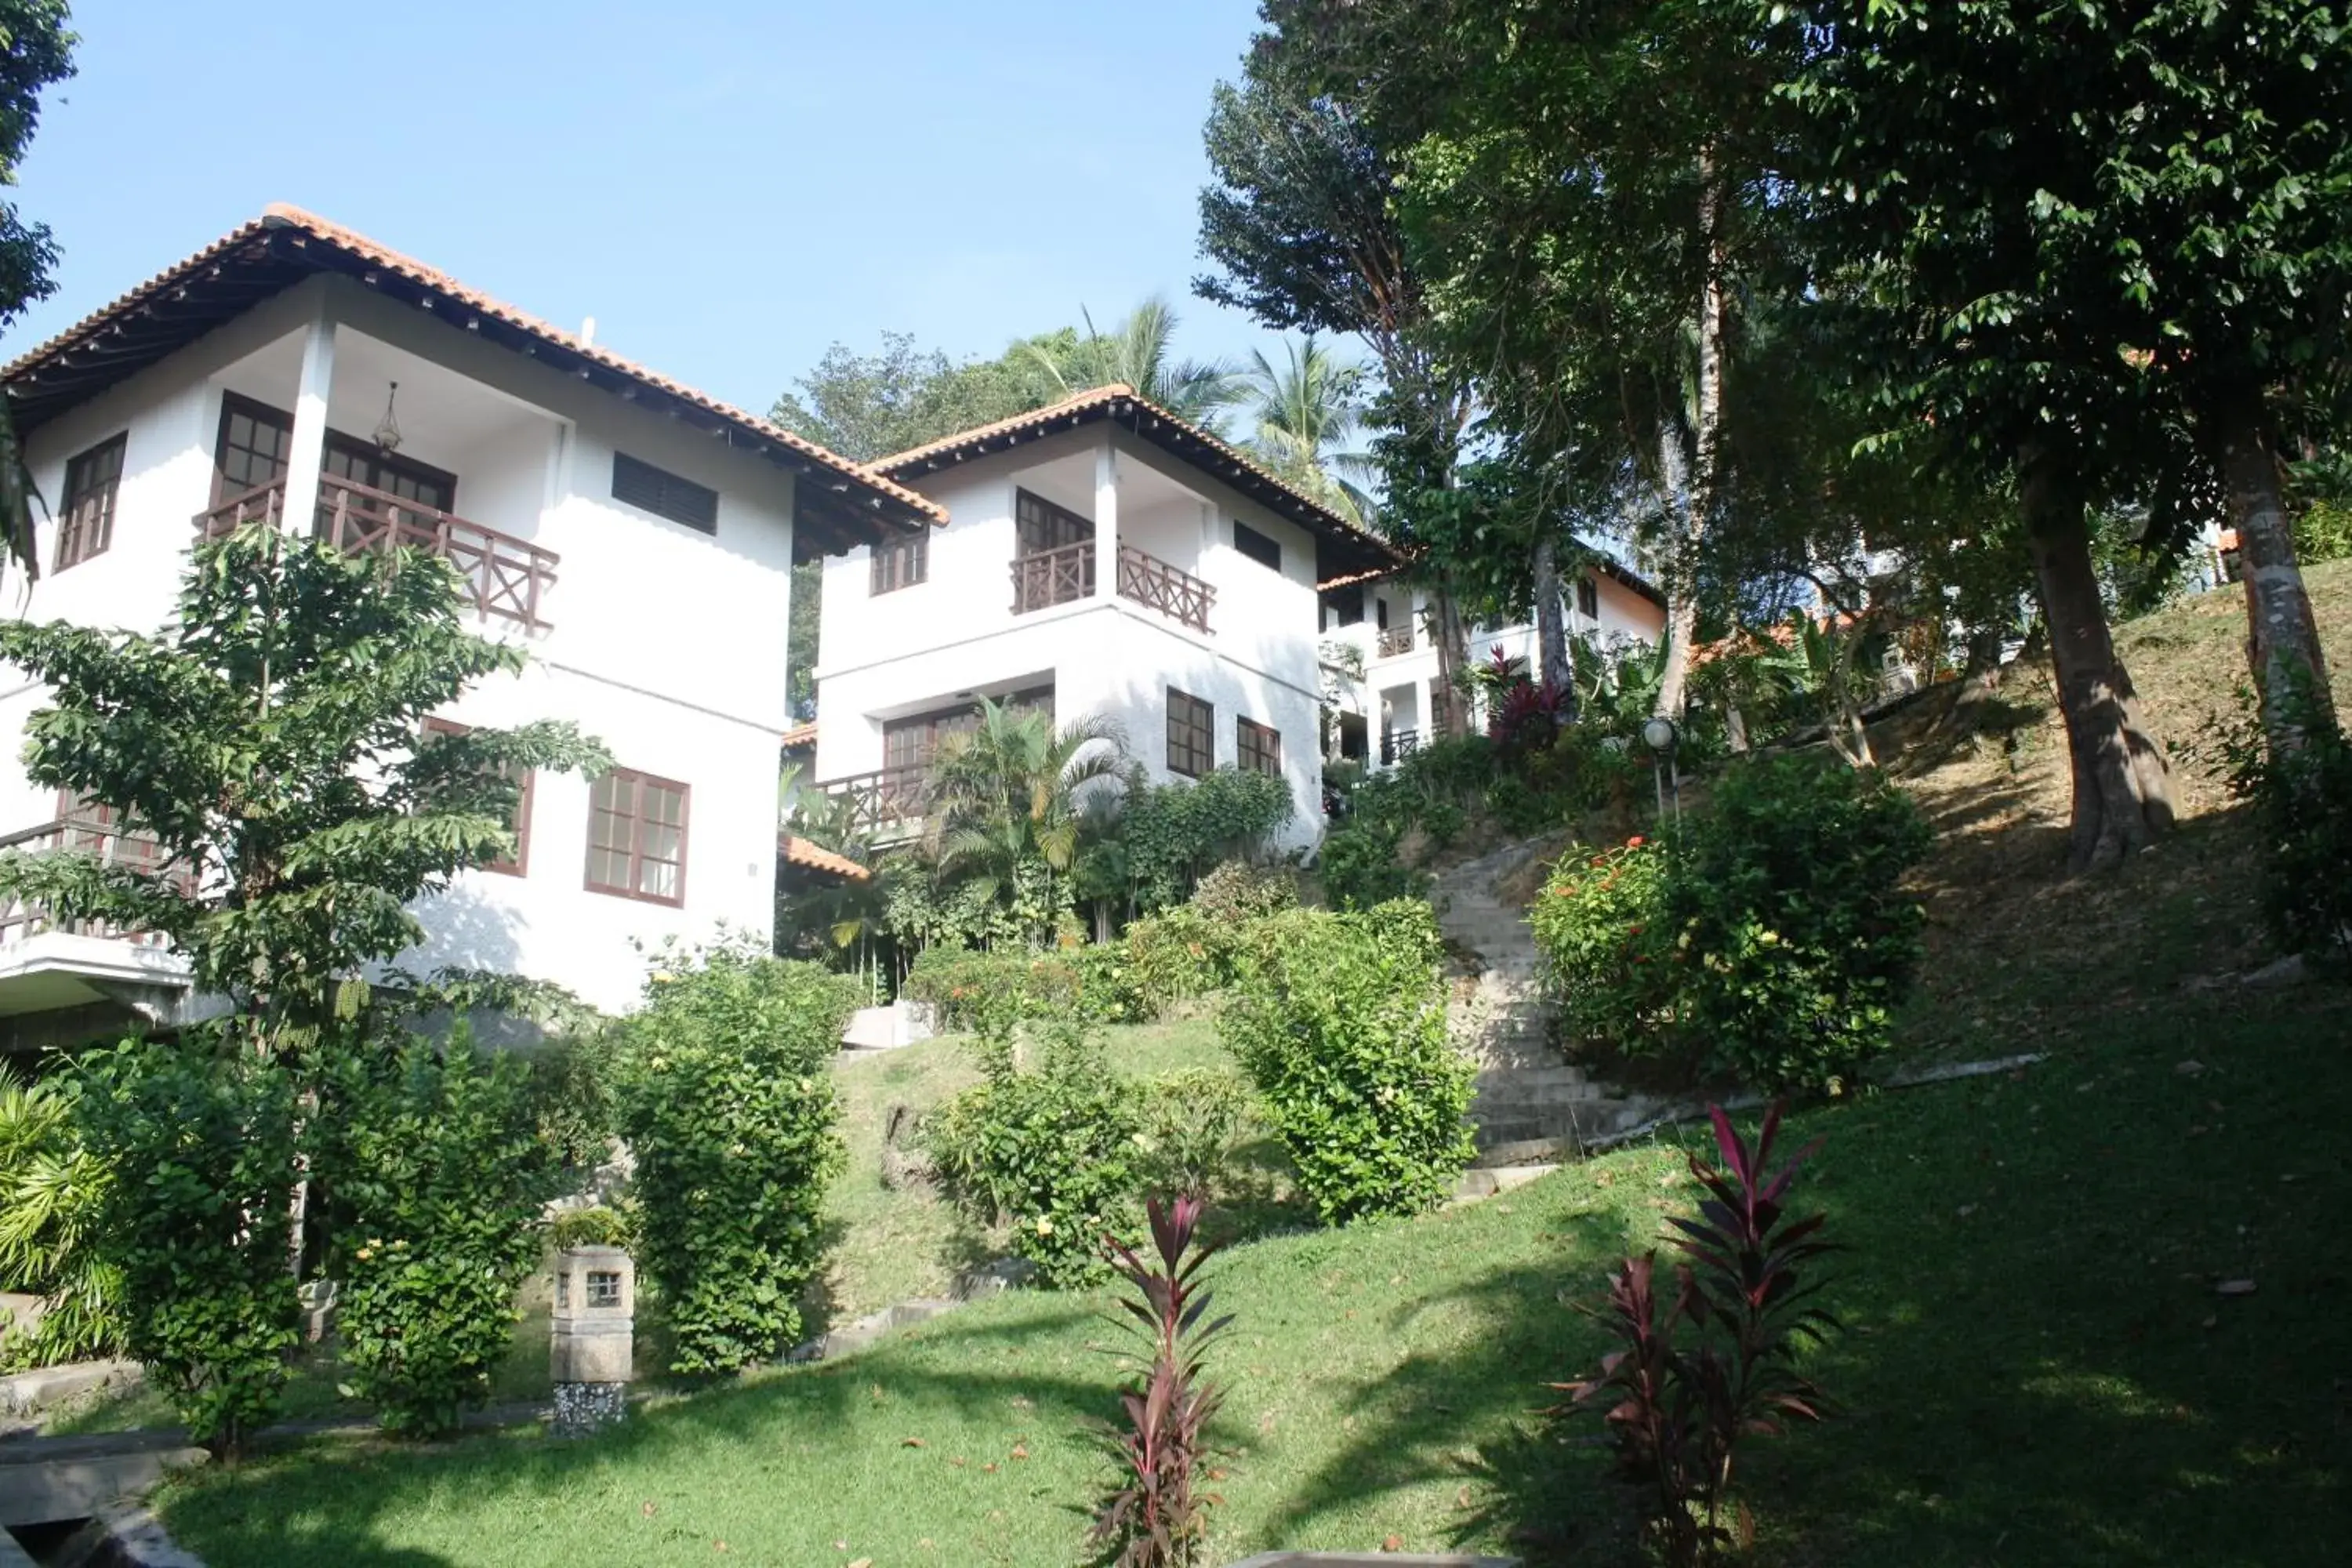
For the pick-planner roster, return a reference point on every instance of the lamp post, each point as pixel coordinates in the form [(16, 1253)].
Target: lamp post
[(1661, 736)]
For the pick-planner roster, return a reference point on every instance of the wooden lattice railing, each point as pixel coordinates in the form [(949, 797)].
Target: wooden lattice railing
[(1395, 640), (880, 801), (507, 577), (20, 917), (1054, 577), (1174, 593)]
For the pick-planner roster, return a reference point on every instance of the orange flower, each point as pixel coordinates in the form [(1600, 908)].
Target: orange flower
[(1635, 842)]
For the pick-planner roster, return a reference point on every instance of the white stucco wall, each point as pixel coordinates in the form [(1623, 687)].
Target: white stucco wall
[(664, 642)]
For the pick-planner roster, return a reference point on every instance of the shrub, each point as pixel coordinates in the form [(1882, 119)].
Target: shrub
[(1179, 954), (435, 1158), (1186, 1125), (2304, 800), (1237, 892), (1769, 942), (1340, 1021), (52, 1190), (1609, 950), (1167, 837), (1716, 1364), (201, 1138), (2324, 532), (1802, 942), (596, 1225), (1049, 1153), (1361, 864), (1156, 1517), (975, 992), (726, 1097)]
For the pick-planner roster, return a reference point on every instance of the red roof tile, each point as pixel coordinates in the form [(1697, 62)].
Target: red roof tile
[(812, 857)]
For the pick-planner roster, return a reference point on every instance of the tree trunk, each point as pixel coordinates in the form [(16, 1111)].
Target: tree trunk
[(2123, 788), (1978, 681), (1452, 719), (1552, 621), (1708, 439), (2282, 646)]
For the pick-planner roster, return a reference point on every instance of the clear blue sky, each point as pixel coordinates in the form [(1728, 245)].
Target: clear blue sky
[(725, 185)]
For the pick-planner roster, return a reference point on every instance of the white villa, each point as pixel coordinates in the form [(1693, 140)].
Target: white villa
[(1104, 557), (1101, 557), (634, 534)]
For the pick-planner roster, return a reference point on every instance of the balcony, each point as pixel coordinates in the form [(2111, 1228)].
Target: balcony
[(1398, 744), (1060, 576), (20, 920), (1394, 642), (507, 577), (890, 804)]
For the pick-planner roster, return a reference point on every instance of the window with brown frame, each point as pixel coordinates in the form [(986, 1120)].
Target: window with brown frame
[(901, 563), (1192, 735), (637, 837), (1587, 598), (520, 825), (86, 517), (1039, 526), (664, 494), (256, 442), (1257, 748), (1257, 546)]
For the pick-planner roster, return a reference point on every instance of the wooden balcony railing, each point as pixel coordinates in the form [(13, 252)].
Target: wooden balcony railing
[(1394, 641), (1398, 744), (508, 577), (20, 919), (1174, 593), (880, 801), (1054, 577)]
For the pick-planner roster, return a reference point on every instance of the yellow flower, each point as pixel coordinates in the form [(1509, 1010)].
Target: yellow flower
[(1044, 1224)]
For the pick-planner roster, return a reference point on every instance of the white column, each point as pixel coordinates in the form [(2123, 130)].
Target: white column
[(1106, 518), (308, 447)]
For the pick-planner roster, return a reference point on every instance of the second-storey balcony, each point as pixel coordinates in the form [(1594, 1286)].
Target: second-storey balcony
[(889, 805), (507, 577), (1062, 576)]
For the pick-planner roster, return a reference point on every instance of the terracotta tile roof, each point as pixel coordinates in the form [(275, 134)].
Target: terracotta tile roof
[(811, 857), (801, 735), (126, 328), (1155, 424)]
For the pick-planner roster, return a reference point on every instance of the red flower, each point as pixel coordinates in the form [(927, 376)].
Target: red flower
[(1634, 843)]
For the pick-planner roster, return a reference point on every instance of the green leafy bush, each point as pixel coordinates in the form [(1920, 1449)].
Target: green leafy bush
[(1167, 837), (1186, 1124), (726, 1097), (2303, 801), (2324, 532), (52, 1190), (596, 1225), (201, 1138), (441, 1179), (1179, 954), (1608, 948), (975, 992), (1769, 942), (1237, 892), (1340, 1021), (1049, 1153)]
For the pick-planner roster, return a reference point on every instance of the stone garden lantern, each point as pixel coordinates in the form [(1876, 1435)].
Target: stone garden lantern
[(592, 1334)]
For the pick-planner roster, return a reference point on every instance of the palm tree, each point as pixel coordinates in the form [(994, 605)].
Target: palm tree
[(1140, 352), (1006, 807), (1305, 412)]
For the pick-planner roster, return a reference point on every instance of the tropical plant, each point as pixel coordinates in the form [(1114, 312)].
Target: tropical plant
[(1139, 353), (1157, 1515), (1304, 411), (440, 1181), (1007, 809), (52, 1189), (727, 1101), (1154, 849), (1716, 1364), (1340, 1021), (271, 746), (200, 1135)]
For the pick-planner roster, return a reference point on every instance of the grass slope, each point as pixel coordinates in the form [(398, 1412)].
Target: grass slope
[(2038, 1367)]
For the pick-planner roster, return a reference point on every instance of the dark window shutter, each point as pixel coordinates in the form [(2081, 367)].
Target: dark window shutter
[(664, 494)]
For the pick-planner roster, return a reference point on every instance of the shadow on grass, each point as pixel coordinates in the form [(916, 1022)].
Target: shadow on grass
[(2039, 1366)]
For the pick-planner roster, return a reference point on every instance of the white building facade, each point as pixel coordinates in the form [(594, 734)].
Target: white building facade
[(1380, 663), (634, 536), (1101, 558)]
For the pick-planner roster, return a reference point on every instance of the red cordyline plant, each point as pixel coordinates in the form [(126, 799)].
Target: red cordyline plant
[(1157, 1517), (1716, 1363)]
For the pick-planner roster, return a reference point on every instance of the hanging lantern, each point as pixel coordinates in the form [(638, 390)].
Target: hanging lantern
[(387, 431)]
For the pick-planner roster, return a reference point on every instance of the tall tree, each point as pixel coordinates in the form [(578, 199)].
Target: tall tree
[(1961, 217), (1140, 352), (269, 749), (1306, 411), (36, 50), (1300, 224), (865, 406)]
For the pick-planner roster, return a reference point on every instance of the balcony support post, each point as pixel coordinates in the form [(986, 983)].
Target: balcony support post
[(306, 447), (1107, 517)]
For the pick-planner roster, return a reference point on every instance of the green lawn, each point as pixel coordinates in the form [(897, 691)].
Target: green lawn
[(2038, 1368)]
